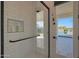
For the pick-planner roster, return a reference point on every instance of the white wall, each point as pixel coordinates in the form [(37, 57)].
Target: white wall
[(76, 29), (24, 11)]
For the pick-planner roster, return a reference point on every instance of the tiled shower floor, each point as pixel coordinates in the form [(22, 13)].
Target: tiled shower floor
[(36, 55)]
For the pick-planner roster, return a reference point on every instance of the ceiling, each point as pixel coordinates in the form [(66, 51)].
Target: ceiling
[(56, 3), (64, 10)]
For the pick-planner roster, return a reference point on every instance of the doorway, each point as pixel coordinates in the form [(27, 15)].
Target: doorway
[(64, 41)]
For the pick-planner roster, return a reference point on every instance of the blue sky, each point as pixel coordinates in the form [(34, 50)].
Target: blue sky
[(68, 22)]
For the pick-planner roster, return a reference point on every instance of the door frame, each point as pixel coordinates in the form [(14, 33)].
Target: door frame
[(2, 28)]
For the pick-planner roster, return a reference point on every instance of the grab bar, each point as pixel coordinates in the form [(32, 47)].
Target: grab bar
[(12, 41)]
